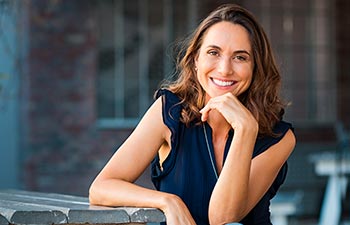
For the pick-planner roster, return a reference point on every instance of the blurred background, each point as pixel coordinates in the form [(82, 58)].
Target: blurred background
[(77, 75)]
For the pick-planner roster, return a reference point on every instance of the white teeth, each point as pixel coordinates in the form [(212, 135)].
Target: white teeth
[(223, 83)]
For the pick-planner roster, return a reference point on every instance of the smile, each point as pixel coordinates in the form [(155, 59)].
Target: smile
[(223, 83)]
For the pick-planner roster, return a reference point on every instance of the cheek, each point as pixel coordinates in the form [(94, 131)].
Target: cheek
[(247, 76), (245, 72), (201, 77), (205, 63), (249, 79), (249, 82), (203, 68)]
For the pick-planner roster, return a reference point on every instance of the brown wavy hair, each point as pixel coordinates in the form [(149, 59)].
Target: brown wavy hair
[(261, 98)]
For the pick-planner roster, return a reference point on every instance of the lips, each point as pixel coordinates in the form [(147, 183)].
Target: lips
[(223, 83)]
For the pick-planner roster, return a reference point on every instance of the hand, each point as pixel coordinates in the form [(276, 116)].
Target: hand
[(235, 113), (176, 212)]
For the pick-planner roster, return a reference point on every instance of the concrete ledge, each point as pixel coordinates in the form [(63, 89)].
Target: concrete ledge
[(26, 208)]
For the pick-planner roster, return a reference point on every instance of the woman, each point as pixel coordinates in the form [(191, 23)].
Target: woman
[(215, 136)]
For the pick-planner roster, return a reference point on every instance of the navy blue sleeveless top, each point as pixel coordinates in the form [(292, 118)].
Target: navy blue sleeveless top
[(188, 173)]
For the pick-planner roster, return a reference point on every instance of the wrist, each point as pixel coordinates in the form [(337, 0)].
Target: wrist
[(166, 200), (247, 129)]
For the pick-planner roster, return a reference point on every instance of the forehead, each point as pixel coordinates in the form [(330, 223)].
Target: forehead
[(227, 35)]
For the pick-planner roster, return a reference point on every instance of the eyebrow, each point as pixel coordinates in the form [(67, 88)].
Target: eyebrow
[(235, 52)]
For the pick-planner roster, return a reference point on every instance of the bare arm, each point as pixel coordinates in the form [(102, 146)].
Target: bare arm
[(114, 184), (241, 185)]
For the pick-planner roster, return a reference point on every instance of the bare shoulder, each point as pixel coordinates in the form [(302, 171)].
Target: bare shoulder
[(152, 122), (288, 142), (278, 152)]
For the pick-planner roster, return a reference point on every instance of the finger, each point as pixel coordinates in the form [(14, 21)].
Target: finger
[(205, 111), (224, 109), (205, 114)]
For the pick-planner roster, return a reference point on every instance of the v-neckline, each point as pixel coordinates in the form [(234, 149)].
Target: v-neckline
[(208, 132)]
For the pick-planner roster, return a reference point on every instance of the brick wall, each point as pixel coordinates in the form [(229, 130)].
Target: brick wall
[(64, 149)]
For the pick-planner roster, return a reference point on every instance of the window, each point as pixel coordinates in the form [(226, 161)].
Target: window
[(301, 33), (134, 44), (134, 53)]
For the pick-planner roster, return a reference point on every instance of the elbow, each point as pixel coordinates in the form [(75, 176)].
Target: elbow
[(92, 195), (100, 194)]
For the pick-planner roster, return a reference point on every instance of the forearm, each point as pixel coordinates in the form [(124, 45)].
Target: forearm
[(228, 202), (115, 192)]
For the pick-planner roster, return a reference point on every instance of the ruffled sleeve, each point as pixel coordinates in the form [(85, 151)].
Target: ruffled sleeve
[(171, 110), (264, 143)]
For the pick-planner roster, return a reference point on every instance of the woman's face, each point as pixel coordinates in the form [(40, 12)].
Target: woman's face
[(225, 60)]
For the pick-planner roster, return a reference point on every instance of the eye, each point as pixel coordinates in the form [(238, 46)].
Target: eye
[(213, 52), (240, 58)]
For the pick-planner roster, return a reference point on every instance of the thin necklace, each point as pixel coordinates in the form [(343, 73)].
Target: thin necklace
[(208, 147)]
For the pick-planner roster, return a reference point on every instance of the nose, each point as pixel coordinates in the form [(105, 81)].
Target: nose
[(225, 66)]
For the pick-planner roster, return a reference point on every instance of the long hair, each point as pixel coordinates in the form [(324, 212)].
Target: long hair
[(261, 98)]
